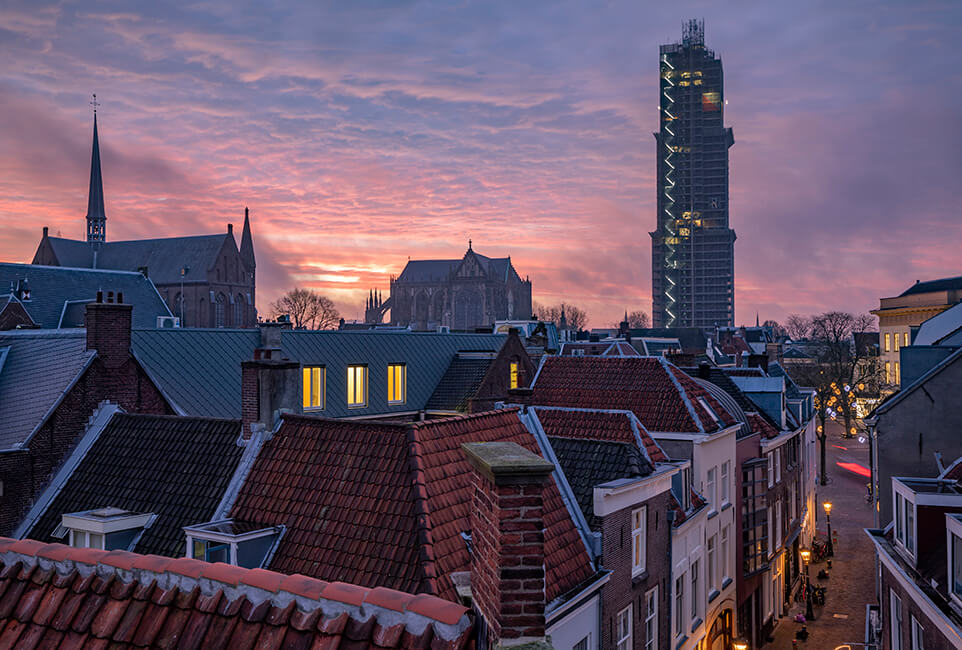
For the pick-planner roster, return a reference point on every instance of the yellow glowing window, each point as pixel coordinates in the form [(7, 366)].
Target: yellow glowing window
[(895, 338), (905, 338), (898, 375), (357, 386), (888, 338), (888, 371), (696, 82), (683, 83), (514, 374), (396, 383), (314, 377), (684, 232)]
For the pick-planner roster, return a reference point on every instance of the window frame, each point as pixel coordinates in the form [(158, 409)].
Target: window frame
[(392, 382), (679, 605), (514, 374), (639, 541), (711, 553), (651, 619), (916, 633), (895, 615), (308, 384), (725, 481), (888, 342), (353, 369), (955, 558), (623, 617), (771, 469), (693, 570), (86, 538), (711, 487)]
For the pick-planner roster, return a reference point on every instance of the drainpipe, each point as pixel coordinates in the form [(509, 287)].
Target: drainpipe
[(670, 518)]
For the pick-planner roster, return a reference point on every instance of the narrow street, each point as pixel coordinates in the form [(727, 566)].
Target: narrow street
[(851, 582)]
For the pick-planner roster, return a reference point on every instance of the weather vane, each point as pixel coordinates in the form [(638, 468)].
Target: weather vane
[(95, 103)]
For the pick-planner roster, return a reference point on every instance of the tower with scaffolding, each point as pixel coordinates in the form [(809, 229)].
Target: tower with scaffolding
[(693, 266)]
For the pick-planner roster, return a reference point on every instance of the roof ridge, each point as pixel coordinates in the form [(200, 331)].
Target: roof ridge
[(461, 418), (682, 393), (259, 586), (422, 512)]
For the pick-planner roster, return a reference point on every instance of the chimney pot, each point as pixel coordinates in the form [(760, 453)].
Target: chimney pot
[(268, 386), (230, 229), (45, 231)]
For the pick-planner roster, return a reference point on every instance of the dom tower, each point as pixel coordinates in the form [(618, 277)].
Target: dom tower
[(692, 248)]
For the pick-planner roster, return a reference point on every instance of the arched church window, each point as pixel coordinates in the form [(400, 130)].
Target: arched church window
[(219, 309), (239, 311)]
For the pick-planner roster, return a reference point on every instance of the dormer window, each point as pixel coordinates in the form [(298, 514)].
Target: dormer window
[(513, 375), (107, 529), (231, 541), (905, 523)]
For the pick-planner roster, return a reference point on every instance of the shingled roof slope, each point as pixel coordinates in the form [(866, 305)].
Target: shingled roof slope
[(942, 284), (56, 596), (384, 504), (177, 468), (662, 397), (459, 384), (587, 463), (35, 371), (597, 424), (51, 287)]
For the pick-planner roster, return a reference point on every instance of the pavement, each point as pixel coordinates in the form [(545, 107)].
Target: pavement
[(840, 624)]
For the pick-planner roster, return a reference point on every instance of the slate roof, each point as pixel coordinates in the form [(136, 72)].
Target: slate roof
[(53, 288), (792, 390), (56, 596), (35, 371), (440, 270), (662, 397), (940, 326), (199, 369), (460, 383), (162, 257), (383, 504), (587, 463), (942, 284), (177, 468), (693, 339), (599, 348)]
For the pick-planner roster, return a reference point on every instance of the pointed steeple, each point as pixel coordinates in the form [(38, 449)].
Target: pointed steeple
[(247, 243), (96, 215), (756, 319)]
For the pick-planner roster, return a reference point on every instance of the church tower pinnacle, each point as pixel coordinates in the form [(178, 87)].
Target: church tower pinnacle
[(96, 215)]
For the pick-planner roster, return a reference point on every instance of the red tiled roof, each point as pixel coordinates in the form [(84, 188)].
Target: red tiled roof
[(612, 426), (53, 595), (761, 425), (384, 504), (660, 395)]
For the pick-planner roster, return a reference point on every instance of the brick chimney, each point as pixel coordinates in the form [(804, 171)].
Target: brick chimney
[(108, 328), (758, 361), (268, 385), (507, 535)]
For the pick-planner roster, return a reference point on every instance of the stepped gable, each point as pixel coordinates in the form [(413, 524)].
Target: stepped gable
[(385, 504), (660, 395), (53, 595)]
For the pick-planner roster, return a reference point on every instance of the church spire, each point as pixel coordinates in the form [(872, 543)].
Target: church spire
[(96, 215), (247, 243)]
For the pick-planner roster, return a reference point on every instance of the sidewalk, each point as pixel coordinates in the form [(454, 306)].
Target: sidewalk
[(851, 582)]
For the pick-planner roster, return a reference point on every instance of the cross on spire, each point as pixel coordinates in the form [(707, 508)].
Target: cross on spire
[(95, 103)]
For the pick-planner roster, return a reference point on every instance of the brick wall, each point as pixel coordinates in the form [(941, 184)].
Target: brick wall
[(497, 380), (931, 636), (621, 588)]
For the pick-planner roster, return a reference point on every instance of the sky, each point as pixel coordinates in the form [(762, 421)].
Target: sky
[(362, 134)]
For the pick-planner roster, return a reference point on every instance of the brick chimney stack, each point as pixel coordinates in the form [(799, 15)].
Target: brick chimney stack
[(269, 383), (108, 323), (507, 535)]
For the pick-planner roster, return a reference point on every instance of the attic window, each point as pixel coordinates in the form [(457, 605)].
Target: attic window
[(513, 376), (108, 529), (314, 379), (241, 543), (704, 405)]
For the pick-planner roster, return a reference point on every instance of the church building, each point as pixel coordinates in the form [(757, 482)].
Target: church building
[(206, 280), (462, 294)]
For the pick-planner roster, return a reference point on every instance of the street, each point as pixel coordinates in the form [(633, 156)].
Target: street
[(851, 582)]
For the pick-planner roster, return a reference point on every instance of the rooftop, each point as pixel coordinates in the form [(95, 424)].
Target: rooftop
[(942, 284), (52, 594)]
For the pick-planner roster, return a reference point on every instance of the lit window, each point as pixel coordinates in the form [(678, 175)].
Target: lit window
[(313, 384), (888, 371), (888, 342), (396, 383), (898, 375), (357, 386), (514, 374), (651, 619), (895, 340), (638, 539), (905, 338), (623, 629)]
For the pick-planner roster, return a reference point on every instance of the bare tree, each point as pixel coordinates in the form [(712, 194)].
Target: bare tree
[(798, 327), (307, 309), (777, 329), (814, 376), (575, 317), (639, 320)]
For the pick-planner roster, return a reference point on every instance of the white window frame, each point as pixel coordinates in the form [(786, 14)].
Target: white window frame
[(895, 619), (695, 609), (679, 604), (918, 640), (651, 619), (403, 382), (712, 569), (771, 470), (85, 535), (778, 464), (905, 516), (639, 540), (308, 386), (353, 369), (711, 487), (778, 524), (951, 536), (725, 482), (623, 641), (725, 541)]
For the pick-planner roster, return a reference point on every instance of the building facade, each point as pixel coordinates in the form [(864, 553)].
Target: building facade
[(898, 315), (206, 281), (693, 267), (462, 294)]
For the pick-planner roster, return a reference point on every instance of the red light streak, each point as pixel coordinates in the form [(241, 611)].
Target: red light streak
[(840, 447), (856, 468)]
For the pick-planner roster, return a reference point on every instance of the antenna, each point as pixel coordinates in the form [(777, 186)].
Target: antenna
[(95, 103)]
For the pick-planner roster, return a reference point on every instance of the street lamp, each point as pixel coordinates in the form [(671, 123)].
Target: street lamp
[(809, 613), (740, 644), (828, 519)]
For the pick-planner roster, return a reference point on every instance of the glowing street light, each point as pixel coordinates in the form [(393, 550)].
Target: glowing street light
[(740, 644), (809, 613), (828, 519)]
